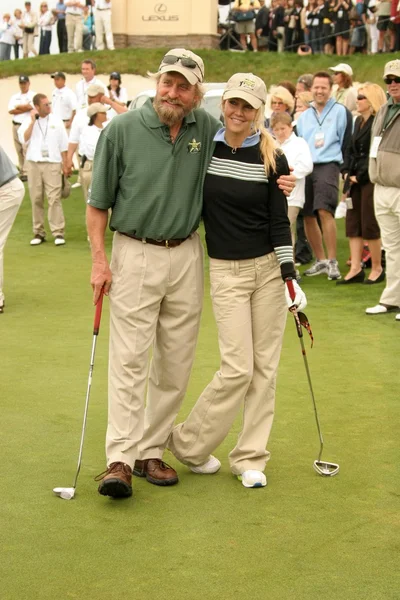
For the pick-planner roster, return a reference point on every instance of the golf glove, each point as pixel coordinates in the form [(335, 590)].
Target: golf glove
[(295, 295)]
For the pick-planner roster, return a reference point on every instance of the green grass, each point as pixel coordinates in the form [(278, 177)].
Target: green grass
[(272, 67), (303, 537)]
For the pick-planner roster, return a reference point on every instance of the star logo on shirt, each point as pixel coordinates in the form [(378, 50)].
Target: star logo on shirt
[(194, 146)]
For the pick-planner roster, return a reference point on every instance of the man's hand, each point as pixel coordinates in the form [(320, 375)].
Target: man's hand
[(286, 183), (100, 279)]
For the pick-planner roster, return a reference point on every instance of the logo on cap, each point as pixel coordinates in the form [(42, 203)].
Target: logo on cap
[(248, 83)]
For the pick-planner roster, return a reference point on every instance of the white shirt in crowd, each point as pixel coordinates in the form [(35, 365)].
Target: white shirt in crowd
[(47, 141), (9, 32), (74, 10), (29, 18), (79, 123), (122, 96), (81, 90), (46, 21), (63, 103), (88, 141), (102, 4), (299, 158), (17, 100)]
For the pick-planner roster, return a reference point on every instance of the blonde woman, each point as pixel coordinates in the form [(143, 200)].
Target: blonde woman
[(303, 101), (344, 93), (361, 223), (282, 100), (251, 257)]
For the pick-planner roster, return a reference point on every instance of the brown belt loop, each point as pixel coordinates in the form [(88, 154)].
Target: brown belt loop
[(164, 243)]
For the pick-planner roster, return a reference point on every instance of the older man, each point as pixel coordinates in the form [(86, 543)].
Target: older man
[(149, 169), (384, 172)]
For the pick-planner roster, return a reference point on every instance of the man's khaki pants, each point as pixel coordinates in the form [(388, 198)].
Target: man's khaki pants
[(387, 212), (102, 19), (74, 25), (250, 310), (85, 177), (11, 196), (45, 178), (155, 302), (19, 148)]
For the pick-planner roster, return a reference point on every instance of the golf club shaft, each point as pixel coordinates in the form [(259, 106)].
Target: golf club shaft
[(96, 329)]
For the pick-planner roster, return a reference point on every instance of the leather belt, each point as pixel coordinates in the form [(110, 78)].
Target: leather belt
[(164, 243), (16, 123)]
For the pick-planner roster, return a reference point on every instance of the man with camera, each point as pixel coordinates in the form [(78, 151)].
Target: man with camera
[(46, 157)]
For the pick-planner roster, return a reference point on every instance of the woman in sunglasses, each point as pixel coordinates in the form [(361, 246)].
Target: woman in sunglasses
[(251, 269), (361, 223)]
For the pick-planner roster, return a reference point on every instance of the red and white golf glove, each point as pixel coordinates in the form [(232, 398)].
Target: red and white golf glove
[(295, 295)]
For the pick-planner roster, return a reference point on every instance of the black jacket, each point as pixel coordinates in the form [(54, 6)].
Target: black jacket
[(356, 156)]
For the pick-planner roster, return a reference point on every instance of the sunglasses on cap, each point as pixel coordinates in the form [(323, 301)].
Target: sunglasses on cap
[(361, 97), (388, 80), (170, 59)]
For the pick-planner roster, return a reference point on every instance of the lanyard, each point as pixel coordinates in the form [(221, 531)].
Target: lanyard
[(320, 123), (41, 130)]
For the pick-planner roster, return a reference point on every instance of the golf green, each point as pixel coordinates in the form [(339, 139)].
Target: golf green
[(302, 537)]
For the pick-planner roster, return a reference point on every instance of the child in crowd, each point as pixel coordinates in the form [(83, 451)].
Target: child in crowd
[(299, 157)]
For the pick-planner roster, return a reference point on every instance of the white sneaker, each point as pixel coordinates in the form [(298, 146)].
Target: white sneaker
[(59, 240), (76, 185), (37, 240), (211, 466), (380, 309), (398, 317), (253, 479)]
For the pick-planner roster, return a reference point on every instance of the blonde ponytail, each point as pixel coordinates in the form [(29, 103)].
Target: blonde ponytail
[(268, 146)]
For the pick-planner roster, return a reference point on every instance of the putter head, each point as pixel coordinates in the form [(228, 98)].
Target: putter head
[(64, 492), (326, 469)]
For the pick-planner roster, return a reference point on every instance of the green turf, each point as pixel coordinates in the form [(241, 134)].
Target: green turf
[(303, 537)]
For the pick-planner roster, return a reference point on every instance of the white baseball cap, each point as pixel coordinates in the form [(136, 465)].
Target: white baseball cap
[(342, 68), (189, 64)]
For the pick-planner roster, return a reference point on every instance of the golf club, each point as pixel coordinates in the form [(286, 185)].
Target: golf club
[(324, 468), (67, 493)]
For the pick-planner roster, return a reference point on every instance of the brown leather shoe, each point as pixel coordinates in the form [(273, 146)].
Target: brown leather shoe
[(156, 471), (116, 481)]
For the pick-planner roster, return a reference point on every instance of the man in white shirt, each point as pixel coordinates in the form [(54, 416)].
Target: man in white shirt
[(88, 70), (47, 144), (74, 24), (102, 18), (20, 107), (63, 100)]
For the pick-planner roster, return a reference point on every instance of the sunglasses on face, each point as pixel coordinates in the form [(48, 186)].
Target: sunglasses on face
[(389, 80), (170, 59), (361, 97)]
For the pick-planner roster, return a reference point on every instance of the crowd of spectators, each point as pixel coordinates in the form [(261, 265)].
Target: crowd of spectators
[(311, 26), (79, 26)]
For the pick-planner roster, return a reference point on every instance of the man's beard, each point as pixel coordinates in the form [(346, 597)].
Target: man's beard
[(168, 115)]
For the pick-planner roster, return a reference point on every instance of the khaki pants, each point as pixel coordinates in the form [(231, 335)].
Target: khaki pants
[(74, 25), (250, 311), (85, 177), (155, 301), (28, 41), (102, 19), (387, 212), (19, 148), (11, 196), (45, 178), (293, 212)]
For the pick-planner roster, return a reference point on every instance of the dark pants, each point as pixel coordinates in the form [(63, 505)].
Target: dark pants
[(45, 41), (62, 36), (303, 251), (16, 49), (5, 51)]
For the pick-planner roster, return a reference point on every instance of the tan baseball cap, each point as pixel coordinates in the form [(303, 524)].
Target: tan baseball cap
[(342, 68), (185, 62), (95, 89), (96, 107), (248, 87), (392, 68)]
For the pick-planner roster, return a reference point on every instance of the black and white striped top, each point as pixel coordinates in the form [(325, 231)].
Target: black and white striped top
[(244, 211)]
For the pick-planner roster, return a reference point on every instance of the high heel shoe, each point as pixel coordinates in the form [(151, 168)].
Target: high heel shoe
[(359, 278), (379, 279)]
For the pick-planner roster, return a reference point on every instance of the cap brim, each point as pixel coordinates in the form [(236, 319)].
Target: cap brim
[(391, 73), (252, 100), (188, 74)]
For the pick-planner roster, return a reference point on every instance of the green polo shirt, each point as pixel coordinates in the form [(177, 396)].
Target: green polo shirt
[(154, 187), (392, 110)]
